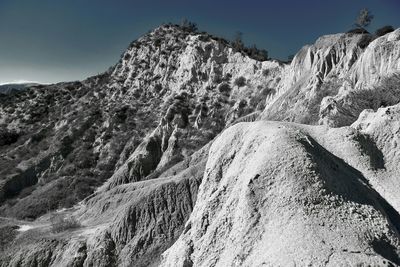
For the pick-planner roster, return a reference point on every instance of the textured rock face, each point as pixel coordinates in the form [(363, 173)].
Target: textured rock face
[(302, 85), (382, 129), (128, 154), (195, 62), (374, 81), (380, 59), (128, 225), (273, 196), (171, 93), (332, 81)]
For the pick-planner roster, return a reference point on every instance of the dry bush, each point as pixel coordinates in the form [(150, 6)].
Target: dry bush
[(386, 93), (7, 235), (384, 30), (240, 81), (8, 137), (224, 88), (59, 223)]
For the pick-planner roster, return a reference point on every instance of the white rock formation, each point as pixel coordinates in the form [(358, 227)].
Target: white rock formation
[(382, 129), (330, 81), (273, 196)]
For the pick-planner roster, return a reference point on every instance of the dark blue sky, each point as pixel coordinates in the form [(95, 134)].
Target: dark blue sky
[(54, 40)]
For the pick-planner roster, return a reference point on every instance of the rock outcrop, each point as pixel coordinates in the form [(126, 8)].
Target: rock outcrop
[(382, 129), (273, 196)]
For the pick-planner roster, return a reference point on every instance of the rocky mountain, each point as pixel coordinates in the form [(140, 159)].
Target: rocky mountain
[(172, 158)]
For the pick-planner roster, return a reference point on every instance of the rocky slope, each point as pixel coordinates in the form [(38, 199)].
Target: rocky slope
[(333, 80), (170, 94), (274, 195), (122, 169)]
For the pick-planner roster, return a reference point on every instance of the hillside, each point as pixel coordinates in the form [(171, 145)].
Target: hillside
[(188, 152), (170, 93)]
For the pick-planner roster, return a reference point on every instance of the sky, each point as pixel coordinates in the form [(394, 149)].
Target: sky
[(62, 40)]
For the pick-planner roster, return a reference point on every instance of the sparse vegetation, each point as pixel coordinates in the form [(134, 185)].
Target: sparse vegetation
[(8, 137), (240, 81), (358, 31), (188, 26), (127, 56), (384, 30), (224, 88), (365, 41), (387, 92), (59, 223), (237, 42), (253, 52), (267, 91), (384, 94), (266, 72), (157, 42), (7, 235)]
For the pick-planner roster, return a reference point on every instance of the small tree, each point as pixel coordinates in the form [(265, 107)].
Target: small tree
[(237, 43), (258, 54), (188, 25), (364, 18), (240, 81)]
